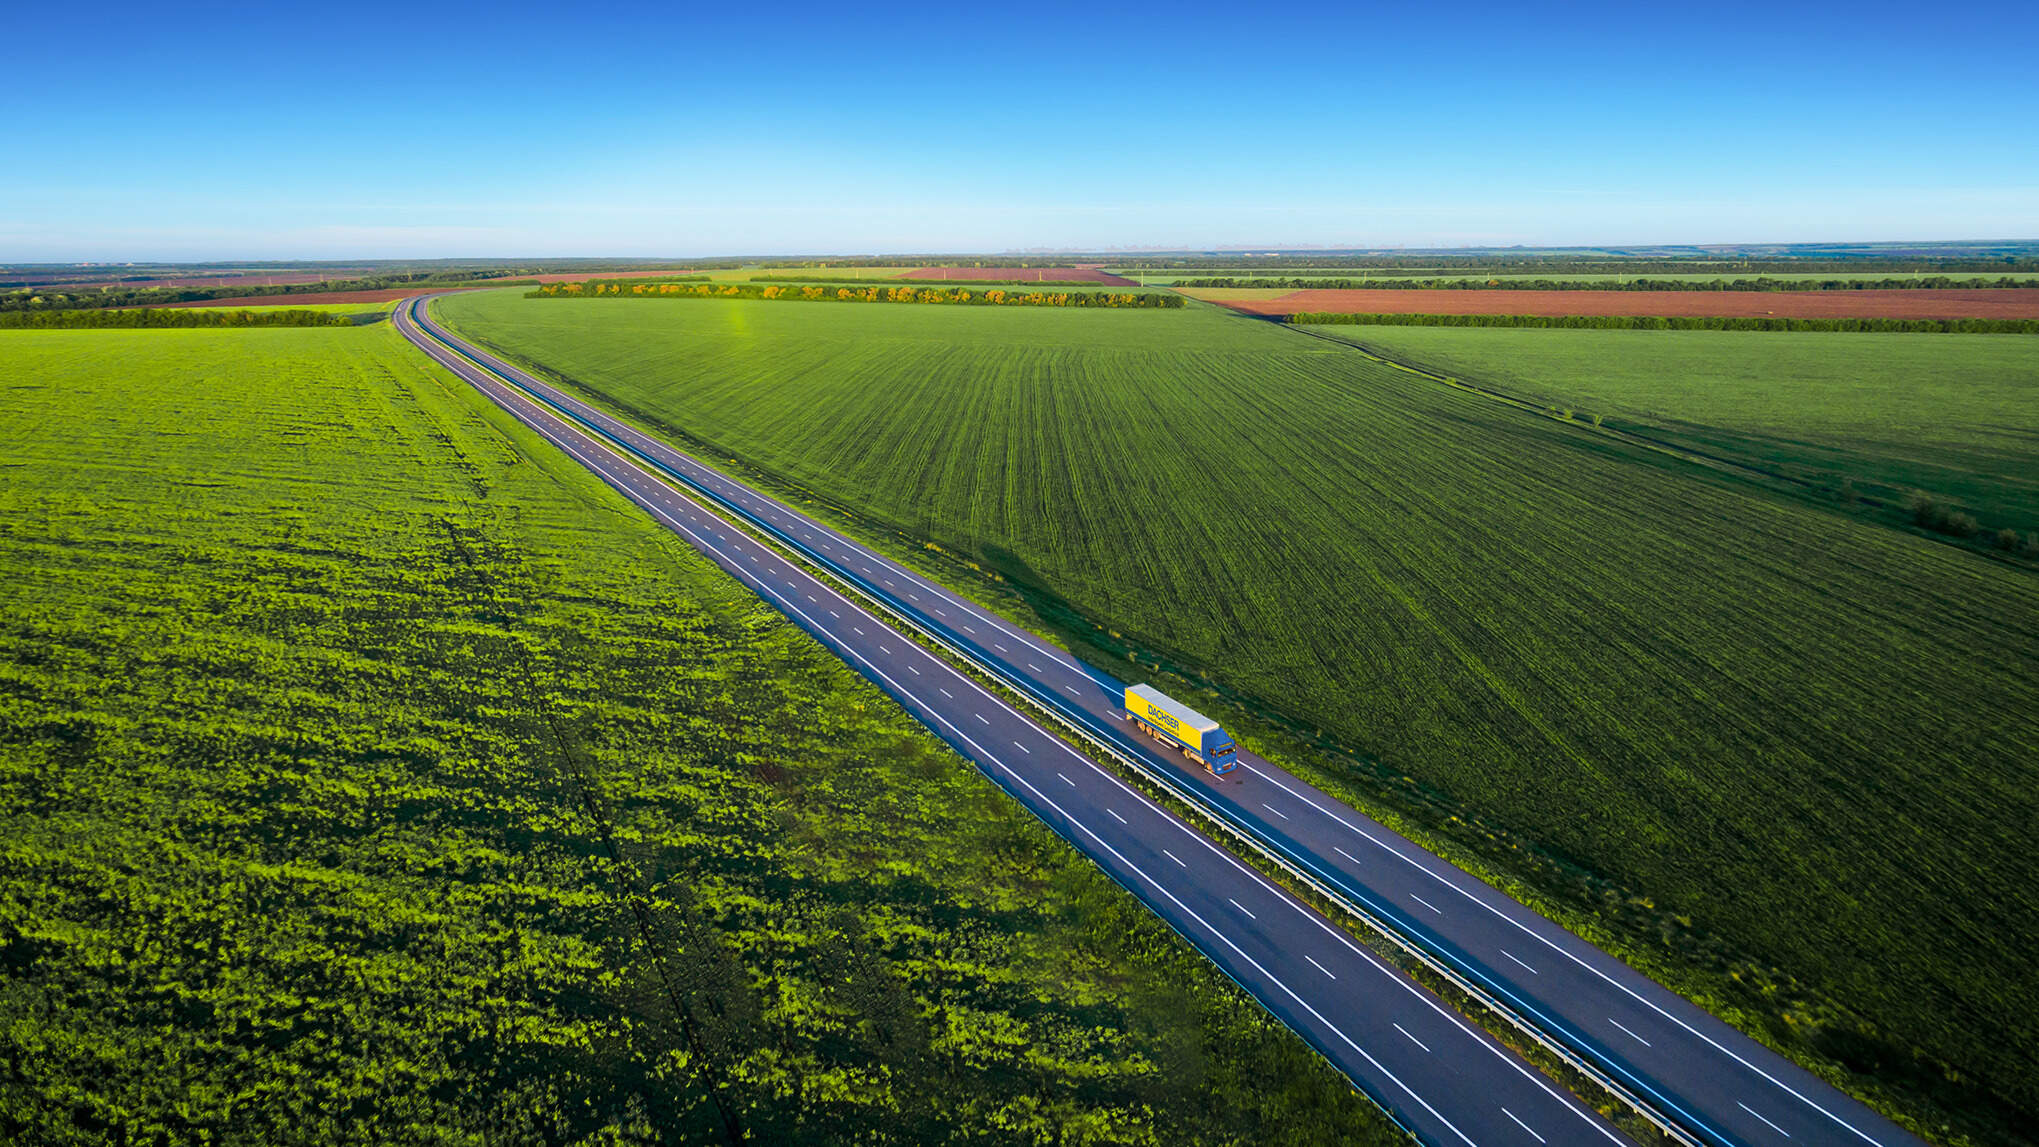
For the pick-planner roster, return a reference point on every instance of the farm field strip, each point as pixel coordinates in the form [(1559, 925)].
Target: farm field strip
[(1022, 274), (1365, 993), (1506, 579), (1954, 415), (1994, 303), (1459, 275), (389, 295)]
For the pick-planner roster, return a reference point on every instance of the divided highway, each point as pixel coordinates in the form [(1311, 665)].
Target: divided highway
[(1444, 1080)]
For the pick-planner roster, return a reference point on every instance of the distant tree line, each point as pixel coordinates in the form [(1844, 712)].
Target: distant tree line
[(36, 299), (167, 317), (1676, 323), (962, 296), (1937, 282)]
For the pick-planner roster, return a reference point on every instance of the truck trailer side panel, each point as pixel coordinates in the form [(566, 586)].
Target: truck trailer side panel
[(1189, 729)]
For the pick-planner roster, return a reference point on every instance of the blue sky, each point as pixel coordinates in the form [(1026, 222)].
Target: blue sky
[(280, 131)]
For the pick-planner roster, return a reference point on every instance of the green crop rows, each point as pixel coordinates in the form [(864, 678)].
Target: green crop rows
[(1955, 416), (370, 773), (1780, 755)]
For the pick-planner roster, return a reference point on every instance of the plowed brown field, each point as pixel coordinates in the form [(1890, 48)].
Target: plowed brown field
[(2007, 303), (1021, 274)]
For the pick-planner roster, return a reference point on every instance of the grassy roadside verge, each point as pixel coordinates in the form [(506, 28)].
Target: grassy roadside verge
[(370, 771)]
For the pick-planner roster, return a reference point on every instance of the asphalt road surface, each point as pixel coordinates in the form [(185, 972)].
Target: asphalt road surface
[(1442, 1079)]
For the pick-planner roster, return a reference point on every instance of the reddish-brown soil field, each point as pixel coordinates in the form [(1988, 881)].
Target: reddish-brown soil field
[(1022, 274), (2005, 303)]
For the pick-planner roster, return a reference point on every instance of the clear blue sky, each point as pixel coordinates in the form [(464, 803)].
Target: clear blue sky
[(202, 131)]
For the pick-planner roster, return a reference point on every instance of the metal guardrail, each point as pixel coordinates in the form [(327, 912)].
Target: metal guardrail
[(1083, 727)]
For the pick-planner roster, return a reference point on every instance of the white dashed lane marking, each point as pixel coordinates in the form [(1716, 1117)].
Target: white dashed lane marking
[(1759, 1115), (1524, 1126), (1639, 1039)]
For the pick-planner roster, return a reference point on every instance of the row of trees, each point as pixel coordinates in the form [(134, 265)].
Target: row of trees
[(1677, 323), (962, 296), (40, 299), (163, 317), (1936, 282)]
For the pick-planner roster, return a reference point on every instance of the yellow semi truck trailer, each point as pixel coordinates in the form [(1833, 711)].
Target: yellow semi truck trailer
[(1174, 723)]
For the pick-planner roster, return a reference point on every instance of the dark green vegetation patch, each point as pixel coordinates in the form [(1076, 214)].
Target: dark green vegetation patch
[(1782, 756), (370, 773), (167, 317)]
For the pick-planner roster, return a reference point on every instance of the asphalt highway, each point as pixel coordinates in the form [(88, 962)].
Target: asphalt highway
[(1439, 1076), (1443, 1080)]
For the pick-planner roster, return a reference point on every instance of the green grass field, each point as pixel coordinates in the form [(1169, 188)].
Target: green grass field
[(1781, 756), (1955, 415), (370, 773)]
